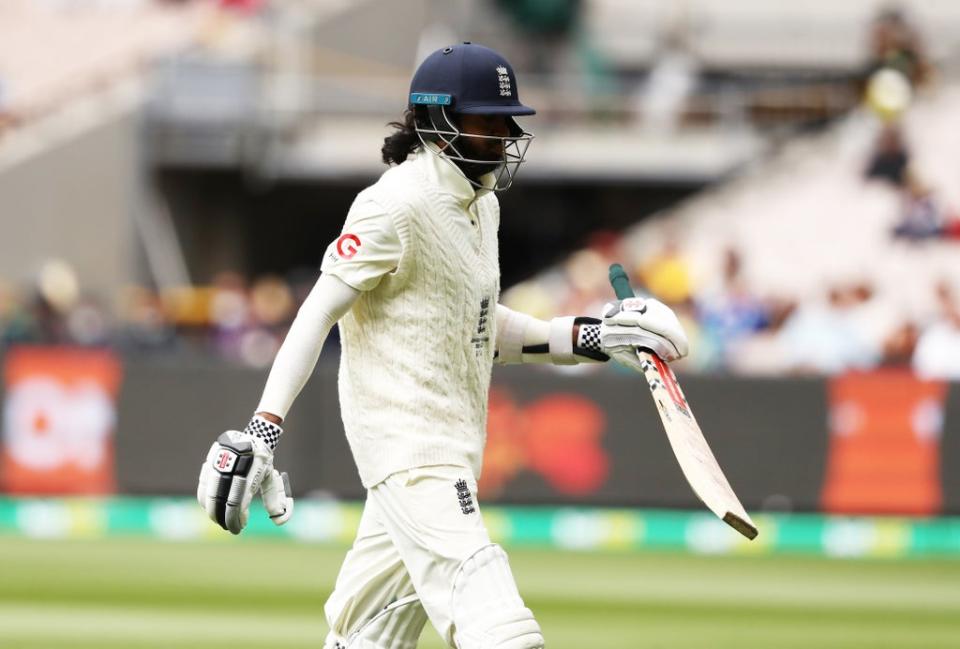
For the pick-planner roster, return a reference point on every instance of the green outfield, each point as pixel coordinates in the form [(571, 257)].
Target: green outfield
[(138, 593)]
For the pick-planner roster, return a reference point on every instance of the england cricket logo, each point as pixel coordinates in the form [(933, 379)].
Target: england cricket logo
[(465, 497), (504, 78), (481, 336)]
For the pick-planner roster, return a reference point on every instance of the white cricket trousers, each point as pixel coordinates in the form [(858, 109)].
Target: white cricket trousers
[(418, 526)]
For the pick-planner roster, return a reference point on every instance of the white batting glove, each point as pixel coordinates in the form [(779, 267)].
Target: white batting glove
[(238, 465), (641, 323)]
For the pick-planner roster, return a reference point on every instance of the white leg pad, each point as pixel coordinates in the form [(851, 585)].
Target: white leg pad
[(397, 626), (488, 612)]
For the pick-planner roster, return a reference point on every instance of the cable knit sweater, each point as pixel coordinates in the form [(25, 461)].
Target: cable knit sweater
[(417, 349)]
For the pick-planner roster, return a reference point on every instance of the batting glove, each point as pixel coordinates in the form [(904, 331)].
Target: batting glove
[(641, 323), (238, 465)]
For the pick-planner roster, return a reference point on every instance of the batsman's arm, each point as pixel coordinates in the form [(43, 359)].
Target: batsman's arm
[(562, 341), (327, 302), (239, 464), (367, 249)]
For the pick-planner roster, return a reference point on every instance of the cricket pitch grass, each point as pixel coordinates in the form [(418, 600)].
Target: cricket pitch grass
[(137, 593)]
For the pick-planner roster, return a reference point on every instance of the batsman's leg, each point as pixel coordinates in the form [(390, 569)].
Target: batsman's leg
[(373, 605), (487, 608), (398, 626), (462, 578)]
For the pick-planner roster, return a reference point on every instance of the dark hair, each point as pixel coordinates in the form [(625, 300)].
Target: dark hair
[(403, 141)]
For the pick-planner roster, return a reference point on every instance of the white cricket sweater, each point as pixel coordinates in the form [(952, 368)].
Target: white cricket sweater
[(417, 349)]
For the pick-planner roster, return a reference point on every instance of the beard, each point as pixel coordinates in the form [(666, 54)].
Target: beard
[(474, 170)]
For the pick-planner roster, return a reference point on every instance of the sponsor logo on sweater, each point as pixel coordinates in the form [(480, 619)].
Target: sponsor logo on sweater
[(347, 245)]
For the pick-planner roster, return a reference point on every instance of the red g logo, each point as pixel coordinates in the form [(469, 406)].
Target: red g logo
[(347, 245)]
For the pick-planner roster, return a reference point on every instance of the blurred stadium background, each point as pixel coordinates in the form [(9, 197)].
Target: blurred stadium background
[(785, 175)]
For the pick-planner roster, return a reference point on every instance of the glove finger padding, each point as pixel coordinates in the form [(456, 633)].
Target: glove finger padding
[(209, 483), (622, 346), (235, 466), (202, 484), (641, 323), (627, 357), (277, 496)]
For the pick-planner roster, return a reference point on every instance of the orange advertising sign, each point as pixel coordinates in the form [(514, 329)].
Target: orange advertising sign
[(558, 437), (59, 415), (884, 453)]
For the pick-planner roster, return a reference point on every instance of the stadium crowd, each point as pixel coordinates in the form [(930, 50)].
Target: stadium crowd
[(732, 329), (856, 320), (231, 318), (735, 329)]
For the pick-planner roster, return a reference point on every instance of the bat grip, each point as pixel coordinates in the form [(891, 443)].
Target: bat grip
[(620, 282)]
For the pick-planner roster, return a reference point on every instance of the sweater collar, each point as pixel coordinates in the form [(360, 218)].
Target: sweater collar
[(448, 178)]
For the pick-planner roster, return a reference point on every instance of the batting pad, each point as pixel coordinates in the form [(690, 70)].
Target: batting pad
[(397, 626), (488, 612)]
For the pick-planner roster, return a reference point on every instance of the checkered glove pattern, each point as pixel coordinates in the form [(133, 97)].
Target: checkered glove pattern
[(589, 337), (268, 431), (588, 340)]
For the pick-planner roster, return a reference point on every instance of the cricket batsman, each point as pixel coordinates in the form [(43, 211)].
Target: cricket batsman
[(414, 281)]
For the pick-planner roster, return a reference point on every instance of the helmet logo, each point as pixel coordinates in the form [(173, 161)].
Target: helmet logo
[(504, 76), (430, 98)]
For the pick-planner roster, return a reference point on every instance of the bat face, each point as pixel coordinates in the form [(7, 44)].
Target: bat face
[(689, 446), (667, 381), (696, 459)]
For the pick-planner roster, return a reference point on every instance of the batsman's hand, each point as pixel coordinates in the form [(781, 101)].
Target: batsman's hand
[(238, 465), (641, 323)]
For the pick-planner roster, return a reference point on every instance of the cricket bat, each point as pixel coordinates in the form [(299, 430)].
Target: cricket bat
[(696, 460)]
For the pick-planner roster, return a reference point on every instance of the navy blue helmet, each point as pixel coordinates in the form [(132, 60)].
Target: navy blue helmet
[(469, 79)]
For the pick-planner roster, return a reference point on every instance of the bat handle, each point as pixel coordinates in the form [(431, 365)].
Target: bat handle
[(620, 282), (621, 286)]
